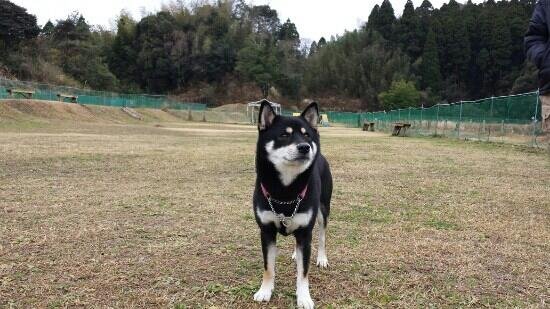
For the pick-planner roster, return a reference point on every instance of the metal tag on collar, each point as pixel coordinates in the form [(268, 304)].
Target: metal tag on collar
[(285, 221)]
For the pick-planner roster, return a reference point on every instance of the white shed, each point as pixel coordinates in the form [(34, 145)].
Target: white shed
[(253, 108)]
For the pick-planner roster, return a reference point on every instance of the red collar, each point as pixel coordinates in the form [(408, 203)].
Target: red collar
[(267, 195)]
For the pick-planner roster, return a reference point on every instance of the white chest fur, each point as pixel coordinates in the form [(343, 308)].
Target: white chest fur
[(301, 219)]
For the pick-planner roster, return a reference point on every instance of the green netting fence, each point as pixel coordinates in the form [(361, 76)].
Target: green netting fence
[(515, 118), (50, 93), (508, 117)]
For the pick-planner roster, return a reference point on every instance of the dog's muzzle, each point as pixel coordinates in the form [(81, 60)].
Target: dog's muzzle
[(303, 148)]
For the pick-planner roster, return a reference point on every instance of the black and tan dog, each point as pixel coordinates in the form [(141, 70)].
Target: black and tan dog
[(293, 191)]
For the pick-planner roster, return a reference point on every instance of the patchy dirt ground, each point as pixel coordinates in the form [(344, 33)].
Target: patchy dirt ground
[(130, 215)]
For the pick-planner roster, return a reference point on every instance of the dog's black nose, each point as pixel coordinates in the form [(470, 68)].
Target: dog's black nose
[(303, 148)]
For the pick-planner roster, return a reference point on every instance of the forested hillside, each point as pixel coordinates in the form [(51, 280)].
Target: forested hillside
[(223, 51)]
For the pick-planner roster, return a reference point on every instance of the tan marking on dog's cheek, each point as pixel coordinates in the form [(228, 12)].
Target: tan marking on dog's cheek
[(289, 130)]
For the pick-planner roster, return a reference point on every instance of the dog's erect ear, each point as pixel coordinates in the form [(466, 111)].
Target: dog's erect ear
[(267, 115), (311, 114)]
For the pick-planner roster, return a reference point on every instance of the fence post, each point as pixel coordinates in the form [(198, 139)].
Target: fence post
[(489, 122), (535, 119), (437, 119), (479, 131), (502, 131), (459, 120), (421, 112)]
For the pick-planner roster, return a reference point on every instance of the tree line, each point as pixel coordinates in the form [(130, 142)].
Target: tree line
[(211, 49)]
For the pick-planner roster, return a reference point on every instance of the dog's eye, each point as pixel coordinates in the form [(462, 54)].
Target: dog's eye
[(306, 134), (285, 135)]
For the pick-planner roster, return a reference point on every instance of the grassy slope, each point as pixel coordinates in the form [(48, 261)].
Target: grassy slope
[(31, 113), (104, 214)]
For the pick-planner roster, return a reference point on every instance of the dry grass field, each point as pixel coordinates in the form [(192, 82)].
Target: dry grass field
[(158, 214)]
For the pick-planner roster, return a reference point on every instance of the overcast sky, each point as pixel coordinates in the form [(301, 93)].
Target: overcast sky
[(314, 18)]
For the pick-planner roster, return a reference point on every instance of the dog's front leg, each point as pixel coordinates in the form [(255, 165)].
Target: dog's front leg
[(269, 249), (303, 254)]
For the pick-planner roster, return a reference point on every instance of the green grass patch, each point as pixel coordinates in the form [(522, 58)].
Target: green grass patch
[(364, 213), (441, 225)]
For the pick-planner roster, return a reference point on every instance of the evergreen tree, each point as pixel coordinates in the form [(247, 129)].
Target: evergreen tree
[(425, 10), (386, 20), (407, 31), (288, 32), (154, 45), (516, 22), (82, 28), (313, 49), (374, 19), (48, 29), (424, 15), (123, 54), (290, 60), (500, 52), (257, 63), (219, 51), (265, 21), (454, 47), (322, 43), (431, 76), (16, 25)]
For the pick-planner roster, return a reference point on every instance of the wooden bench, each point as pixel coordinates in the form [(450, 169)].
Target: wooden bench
[(72, 98), (368, 126), (400, 128), (27, 94), (132, 113)]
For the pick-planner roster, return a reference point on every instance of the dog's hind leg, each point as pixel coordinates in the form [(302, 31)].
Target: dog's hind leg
[(322, 260), (269, 249), (303, 253)]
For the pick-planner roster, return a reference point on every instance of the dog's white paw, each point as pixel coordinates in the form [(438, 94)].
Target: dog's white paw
[(304, 302), (322, 261), (264, 294)]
